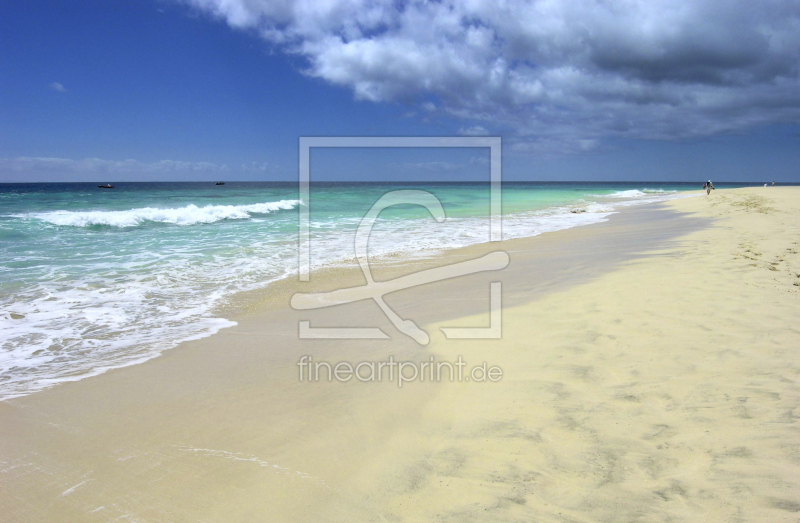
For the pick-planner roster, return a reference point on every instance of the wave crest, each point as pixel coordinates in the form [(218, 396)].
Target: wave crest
[(636, 193), (189, 215)]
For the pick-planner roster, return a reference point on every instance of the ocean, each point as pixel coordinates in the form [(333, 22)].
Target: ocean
[(93, 279)]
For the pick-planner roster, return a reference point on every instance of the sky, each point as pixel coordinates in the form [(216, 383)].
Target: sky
[(578, 90)]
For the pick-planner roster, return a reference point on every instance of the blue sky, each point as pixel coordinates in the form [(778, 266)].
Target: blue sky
[(206, 90)]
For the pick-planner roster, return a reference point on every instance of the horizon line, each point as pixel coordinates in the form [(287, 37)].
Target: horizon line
[(398, 181)]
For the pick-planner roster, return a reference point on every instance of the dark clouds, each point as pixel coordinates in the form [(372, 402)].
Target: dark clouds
[(563, 75)]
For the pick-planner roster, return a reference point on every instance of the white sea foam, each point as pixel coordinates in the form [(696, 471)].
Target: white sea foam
[(635, 193), (189, 215)]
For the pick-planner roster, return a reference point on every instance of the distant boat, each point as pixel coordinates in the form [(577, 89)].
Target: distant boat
[(220, 183), (106, 186)]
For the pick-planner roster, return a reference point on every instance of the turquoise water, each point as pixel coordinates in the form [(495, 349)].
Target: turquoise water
[(92, 279)]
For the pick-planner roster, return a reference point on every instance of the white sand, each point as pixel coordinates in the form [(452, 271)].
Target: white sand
[(665, 391)]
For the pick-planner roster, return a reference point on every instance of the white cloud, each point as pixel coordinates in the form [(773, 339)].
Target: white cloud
[(563, 74), (55, 86), (475, 130)]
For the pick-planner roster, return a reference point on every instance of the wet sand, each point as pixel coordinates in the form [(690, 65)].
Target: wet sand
[(650, 374)]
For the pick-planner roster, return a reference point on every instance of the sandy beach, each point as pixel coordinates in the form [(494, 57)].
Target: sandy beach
[(649, 373)]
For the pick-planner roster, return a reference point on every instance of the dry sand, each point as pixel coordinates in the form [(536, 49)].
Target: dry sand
[(664, 391), (650, 374)]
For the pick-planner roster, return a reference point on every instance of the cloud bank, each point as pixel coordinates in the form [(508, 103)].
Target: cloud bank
[(559, 74), (25, 169), (97, 165), (33, 169)]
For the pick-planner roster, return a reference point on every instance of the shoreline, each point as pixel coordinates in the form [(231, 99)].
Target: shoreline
[(226, 415), (275, 293)]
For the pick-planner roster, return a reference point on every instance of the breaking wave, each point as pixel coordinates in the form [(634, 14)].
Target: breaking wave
[(636, 193), (189, 215)]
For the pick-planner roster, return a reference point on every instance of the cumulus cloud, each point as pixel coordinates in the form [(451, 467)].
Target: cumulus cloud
[(55, 86), (563, 74)]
